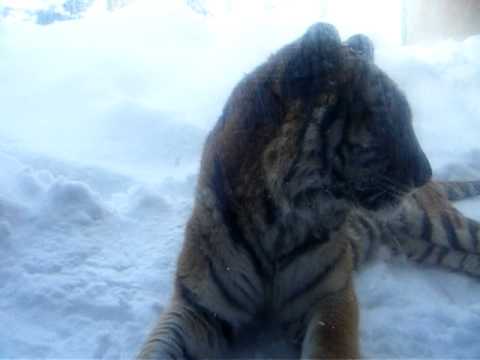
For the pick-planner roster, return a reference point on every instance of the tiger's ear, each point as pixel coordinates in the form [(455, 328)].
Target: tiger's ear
[(312, 62), (362, 45), (321, 41)]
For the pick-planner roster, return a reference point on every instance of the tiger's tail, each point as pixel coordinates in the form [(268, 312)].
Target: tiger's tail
[(427, 229), (442, 256), (459, 190)]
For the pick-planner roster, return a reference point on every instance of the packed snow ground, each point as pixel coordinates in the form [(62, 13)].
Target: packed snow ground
[(100, 136)]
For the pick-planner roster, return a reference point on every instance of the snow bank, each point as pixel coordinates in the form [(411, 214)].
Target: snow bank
[(77, 263), (409, 311), (145, 202), (74, 201), (103, 122), (27, 194)]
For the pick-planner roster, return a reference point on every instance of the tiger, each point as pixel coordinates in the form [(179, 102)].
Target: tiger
[(425, 228), (309, 136)]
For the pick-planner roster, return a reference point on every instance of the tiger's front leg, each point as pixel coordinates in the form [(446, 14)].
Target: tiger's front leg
[(332, 331), (185, 332)]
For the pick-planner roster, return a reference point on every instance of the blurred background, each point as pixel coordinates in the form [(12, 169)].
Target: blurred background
[(417, 20)]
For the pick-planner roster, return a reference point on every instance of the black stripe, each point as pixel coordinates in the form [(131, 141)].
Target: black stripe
[(225, 328), (329, 118), (230, 218), (218, 186), (370, 249), (245, 293), (258, 248), (427, 228), (270, 108), (371, 235), (311, 243), (344, 141), (442, 253), (224, 290), (426, 254), (298, 324), (340, 155), (316, 280), (261, 100), (268, 268), (462, 262), (473, 228), (390, 231), (356, 254), (452, 194), (191, 300), (282, 234), (450, 231), (181, 343), (338, 176), (405, 227), (253, 288), (167, 348), (271, 210), (177, 329), (293, 168)]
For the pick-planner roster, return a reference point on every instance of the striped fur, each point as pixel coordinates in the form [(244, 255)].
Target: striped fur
[(315, 132), (426, 228), (458, 190)]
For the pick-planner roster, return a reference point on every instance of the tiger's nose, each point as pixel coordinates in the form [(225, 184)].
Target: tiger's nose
[(422, 172)]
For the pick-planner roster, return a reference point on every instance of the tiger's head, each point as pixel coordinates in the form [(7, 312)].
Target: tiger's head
[(319, 121), (346, 129)]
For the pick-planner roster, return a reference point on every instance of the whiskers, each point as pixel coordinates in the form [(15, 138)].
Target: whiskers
[(381, 195), (392, 186)]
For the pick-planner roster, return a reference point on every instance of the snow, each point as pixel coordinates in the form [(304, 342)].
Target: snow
[(102, 125)]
